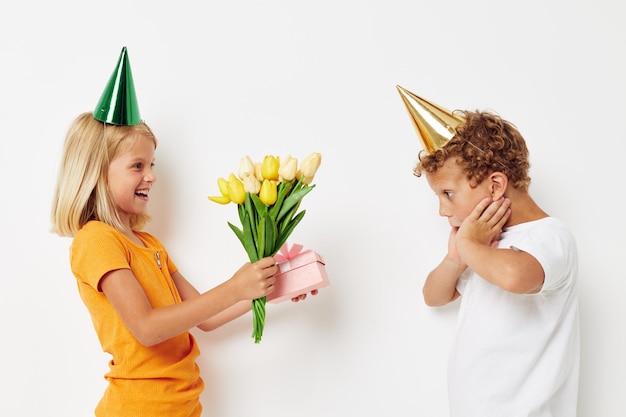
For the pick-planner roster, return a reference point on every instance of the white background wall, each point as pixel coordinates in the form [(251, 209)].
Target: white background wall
[(238, 78)]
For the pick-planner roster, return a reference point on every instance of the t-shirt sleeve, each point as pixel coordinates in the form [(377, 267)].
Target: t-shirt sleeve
[(555, 250), (94, 253)]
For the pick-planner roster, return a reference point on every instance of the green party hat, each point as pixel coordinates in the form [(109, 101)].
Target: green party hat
[(118, 103), (434, 125)]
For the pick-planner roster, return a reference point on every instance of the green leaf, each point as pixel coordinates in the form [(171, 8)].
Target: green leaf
[(288, 229), (246, 239), (252, 216), (283, 191), (237, 231), (260, 240), (242, 212), (258, 318), (261, 208), (271, 233), (287, 217), (293, 199)]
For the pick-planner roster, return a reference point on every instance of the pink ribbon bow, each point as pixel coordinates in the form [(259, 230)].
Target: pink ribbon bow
[(285, 253)]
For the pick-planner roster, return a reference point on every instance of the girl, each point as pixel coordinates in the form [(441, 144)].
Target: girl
[(141, 306)]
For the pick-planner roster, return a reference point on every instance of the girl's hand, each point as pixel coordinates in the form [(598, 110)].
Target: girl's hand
[(256, 280), (303, 296)]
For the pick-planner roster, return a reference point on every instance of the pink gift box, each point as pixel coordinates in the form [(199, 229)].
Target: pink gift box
[(300, 274)]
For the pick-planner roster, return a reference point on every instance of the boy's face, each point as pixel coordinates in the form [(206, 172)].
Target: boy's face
[(457, 198)]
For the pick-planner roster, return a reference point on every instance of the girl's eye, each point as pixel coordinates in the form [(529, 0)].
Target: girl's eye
[(138, 165), (448, 194)]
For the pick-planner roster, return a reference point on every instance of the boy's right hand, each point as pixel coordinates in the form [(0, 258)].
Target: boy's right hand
[(256, 280)]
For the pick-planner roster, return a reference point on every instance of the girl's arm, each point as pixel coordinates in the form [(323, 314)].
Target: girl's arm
[(153, 325), (188, 291)]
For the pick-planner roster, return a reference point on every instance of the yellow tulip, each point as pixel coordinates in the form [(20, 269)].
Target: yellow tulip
[(235, 189), (223, 186), (246, 167), (220, 199), (309, 167), (258, 167), (222, 183), (251, 184), (288, 168), (269, 169), (269, 192)]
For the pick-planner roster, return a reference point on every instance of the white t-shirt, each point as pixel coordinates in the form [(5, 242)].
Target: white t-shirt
[(518, 355)]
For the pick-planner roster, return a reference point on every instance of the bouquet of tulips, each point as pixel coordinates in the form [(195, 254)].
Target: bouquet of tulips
[(268, 196)]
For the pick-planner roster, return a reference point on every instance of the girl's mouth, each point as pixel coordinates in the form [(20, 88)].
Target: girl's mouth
[(143, 194)]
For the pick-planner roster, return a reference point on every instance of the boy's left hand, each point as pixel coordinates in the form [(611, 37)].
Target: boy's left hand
[(485, 222)]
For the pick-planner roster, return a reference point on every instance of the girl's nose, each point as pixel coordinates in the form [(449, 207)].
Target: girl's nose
[(150, 176)]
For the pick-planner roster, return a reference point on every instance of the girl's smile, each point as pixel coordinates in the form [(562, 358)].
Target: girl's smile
[(131, 176)]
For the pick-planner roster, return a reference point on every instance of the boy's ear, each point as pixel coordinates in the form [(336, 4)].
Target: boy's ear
[(499, 184)]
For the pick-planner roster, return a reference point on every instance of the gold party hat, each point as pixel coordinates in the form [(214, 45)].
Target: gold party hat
[(434, 125), (118, 103)]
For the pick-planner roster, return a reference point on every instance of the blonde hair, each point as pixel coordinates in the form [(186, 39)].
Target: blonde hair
[(82, 192)]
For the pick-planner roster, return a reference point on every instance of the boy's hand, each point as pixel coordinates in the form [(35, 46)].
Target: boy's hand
[(485, 222)]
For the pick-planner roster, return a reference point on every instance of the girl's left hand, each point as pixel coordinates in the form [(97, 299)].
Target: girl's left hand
[(303, 296)]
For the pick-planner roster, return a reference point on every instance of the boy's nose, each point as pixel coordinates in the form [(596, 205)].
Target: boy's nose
[(443, 212)]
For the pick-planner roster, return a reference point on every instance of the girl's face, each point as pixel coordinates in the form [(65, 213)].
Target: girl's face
[(130, 177), (457, 198)]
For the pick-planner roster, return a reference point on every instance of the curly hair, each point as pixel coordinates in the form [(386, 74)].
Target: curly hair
[(483, 144)]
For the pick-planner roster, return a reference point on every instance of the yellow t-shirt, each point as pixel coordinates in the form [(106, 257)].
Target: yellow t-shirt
[(161, 380)]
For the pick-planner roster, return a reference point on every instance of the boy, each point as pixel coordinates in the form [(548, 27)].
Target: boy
[(516, 350)]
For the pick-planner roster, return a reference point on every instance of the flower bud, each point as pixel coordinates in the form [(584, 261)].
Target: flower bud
[(251, 184), (235, 189), (219, 199), (246, 167), (269, 169), (223, 186), (258, 167), (269, 192), (309, 167), (288, 168), (222, 183)]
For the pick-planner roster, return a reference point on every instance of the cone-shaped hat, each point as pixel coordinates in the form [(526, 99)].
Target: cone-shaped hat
[(118, 103), (434, 125)]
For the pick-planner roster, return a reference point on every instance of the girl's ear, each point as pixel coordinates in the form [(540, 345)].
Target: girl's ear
[(499, 183)]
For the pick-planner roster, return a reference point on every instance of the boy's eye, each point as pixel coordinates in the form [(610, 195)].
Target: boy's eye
[(138, 165), (448, 194)]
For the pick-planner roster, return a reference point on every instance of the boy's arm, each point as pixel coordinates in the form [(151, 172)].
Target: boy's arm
[(440, 286), (510, 269)]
